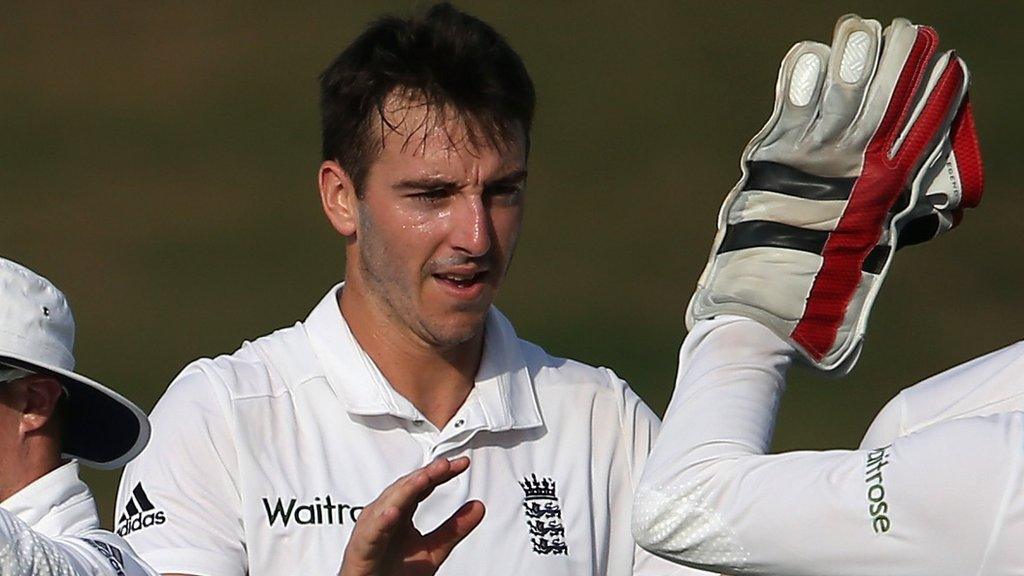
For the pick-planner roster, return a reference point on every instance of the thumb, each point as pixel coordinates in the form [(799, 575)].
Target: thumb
[(441, 541)]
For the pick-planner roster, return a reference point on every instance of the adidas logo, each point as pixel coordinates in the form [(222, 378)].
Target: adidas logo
[(112, 554), (138, 513)]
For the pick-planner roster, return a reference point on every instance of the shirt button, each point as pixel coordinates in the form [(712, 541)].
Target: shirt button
[(417, 422), (459, 423)]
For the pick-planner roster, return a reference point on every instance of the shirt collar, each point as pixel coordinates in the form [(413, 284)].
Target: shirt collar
[(503, 392), (55, 503)]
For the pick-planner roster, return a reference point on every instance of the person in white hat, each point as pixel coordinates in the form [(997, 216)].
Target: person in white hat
[(50, 420)]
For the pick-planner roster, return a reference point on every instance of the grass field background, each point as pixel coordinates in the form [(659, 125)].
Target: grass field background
[(158, 164)]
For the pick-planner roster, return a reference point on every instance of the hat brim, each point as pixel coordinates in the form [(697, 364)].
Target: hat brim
[(102, 429)]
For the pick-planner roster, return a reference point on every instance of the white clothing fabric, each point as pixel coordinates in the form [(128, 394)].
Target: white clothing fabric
[(986, 386), (50, 527), (261, 461), (936, 489)]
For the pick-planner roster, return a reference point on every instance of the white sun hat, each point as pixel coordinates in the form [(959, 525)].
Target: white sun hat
[(37, 334)]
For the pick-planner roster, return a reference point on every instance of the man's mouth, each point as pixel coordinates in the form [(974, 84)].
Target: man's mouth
[(461, 280)]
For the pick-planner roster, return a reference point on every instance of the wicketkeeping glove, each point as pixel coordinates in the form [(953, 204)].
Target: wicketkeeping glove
[(870, 146)]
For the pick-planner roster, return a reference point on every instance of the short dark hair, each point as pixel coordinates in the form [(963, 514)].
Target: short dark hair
[(446, 59)]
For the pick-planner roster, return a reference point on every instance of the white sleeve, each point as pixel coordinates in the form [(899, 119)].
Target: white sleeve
[(887, 425), (25, 552), (985, 386), (932, 503), (178, 503)]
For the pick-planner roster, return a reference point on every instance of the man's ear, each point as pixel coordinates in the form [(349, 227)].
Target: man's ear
[(40, 397), (338, 197)]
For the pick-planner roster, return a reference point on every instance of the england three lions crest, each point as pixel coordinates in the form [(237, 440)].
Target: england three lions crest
[(543, 515)]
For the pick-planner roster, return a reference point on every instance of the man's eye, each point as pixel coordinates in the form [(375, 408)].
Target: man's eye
[(432, 196), (507, 192)]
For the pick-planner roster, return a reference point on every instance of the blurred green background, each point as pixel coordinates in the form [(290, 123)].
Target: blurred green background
[(157, 162)]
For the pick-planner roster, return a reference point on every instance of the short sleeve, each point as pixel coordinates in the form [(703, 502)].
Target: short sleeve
[(178, 504), (985, 386), (887, 425), (640, 426)]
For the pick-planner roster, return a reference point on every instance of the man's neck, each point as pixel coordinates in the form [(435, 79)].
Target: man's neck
[(30, 464), (436, 381)]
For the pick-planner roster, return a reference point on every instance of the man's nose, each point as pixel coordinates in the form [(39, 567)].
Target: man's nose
[(471, 226)]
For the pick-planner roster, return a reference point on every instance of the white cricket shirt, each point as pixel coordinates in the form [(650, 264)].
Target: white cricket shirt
[(261, 461), (50, 528), (937, 489)]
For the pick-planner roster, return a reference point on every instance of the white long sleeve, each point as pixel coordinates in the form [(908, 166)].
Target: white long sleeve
[(944, 500), (26, 552), (50, 528)]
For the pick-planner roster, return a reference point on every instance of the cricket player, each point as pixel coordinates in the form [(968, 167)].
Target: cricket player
[(50, 420), (403, 416), (871, 145)]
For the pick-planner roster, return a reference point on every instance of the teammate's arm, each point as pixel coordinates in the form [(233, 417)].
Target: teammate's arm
[(639, 430), (861, 133), (26, 552), (711, 497)]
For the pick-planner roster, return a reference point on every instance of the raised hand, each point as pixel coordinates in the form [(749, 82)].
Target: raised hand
[(384, 541), (870, 146)]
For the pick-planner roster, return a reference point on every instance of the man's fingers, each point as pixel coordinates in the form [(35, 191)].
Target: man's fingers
[(394, 508), (441, 541), (455, 467), (405, 491), (370, 538), (383, 526), (413, 488), (444, 471), (379, 520)]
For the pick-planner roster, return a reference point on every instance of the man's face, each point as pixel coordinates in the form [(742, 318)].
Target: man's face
[(438, 220), (10, 420)]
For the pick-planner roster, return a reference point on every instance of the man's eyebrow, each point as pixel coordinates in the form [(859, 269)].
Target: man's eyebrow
[(425, 183), (439, 182), (511, 178)]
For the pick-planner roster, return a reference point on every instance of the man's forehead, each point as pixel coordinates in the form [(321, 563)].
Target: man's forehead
[(413, 127)]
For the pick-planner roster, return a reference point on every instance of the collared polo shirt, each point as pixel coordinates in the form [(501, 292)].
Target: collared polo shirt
[(260, 462), (50, 527), (989, 385)]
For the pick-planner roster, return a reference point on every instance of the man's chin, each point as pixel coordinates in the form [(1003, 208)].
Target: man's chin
[(457, 329)]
